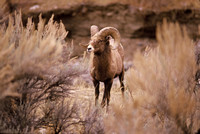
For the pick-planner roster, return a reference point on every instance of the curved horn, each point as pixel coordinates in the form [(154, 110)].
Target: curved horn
[(112, 32), (93, 30)]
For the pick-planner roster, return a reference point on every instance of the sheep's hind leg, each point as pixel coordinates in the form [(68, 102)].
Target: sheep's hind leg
[(121, 79), (96, 85), (106, 95)]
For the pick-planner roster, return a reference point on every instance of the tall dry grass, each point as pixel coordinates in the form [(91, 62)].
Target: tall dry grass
[(35, 70), (28, 51), (163, 88)]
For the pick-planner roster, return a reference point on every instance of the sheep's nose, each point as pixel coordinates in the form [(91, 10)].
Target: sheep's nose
[(89, 49)]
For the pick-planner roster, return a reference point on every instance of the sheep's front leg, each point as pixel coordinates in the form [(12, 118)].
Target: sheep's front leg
[(96, 85), (106, 95)]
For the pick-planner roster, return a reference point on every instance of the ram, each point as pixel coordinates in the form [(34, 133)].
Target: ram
[(107, 55)]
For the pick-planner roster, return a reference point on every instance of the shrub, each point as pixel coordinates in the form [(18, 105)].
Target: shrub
[(34, 71), (162, 85)]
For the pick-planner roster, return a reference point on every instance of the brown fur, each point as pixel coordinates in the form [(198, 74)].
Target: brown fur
[(106, 64)]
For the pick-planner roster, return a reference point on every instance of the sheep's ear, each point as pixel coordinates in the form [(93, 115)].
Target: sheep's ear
[(93, 30), (109, 40)]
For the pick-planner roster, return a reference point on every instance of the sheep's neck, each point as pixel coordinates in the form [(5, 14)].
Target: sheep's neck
[(103, 58), (101, 62)]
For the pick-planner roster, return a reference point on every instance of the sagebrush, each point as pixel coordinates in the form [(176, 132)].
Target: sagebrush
[(35, 70), (165, 95)]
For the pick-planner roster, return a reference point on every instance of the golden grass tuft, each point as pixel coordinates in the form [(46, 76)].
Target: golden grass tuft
[(162, 84), (28, 50)]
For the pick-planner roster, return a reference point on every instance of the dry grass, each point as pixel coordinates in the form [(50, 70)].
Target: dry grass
[(34, 70), (27, 50), (162, 85)]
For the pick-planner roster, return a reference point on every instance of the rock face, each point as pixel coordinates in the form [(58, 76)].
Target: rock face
[(131, 22)]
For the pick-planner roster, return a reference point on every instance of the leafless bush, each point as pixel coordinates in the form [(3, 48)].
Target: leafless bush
[(162, 85), (68, 116), (61, 116), (93, 120), (34, 71), (28, 52)]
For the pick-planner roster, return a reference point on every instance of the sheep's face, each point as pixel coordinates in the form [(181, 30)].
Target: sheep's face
[(98, 45)]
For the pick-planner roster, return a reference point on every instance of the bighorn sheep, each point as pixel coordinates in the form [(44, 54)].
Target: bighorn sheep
[(107, 55)]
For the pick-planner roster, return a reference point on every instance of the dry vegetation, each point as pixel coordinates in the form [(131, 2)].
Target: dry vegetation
[(27, 51), (35, 75), (163, 87)]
